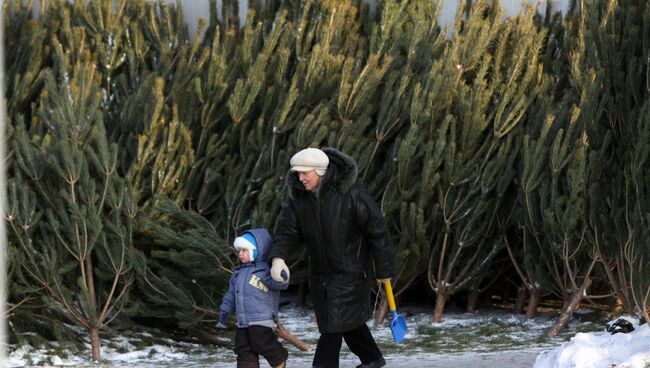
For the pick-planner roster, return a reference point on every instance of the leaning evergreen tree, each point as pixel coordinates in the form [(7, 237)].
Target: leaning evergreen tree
[(70, 212), (553, 187), (612, 74), (153, 115), (549, 201), (563, 220), (24, 58), (569, 185), (494, 66), (408, 38), (189, 267), (635, 142), (637, 179), (524, 241)]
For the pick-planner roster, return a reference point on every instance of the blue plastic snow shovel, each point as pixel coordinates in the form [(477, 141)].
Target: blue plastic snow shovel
[(398, 324)]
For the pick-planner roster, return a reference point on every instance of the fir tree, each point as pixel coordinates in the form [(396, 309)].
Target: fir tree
[(70, 212), (613, 92), (400, 163), (492, 66), (636, 251), (551, 199), (189, 268)]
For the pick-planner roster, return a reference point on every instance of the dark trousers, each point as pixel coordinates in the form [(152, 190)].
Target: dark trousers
[(359, 340), (254, 341)]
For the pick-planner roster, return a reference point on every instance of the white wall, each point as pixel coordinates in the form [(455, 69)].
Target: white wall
[(195, 9)]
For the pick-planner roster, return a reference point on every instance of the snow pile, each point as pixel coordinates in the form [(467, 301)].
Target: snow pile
[(601, 350)]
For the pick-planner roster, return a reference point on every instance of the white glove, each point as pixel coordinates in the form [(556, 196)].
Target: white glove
[(277, 268)]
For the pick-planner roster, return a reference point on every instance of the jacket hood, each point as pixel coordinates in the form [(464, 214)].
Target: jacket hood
[(263, 239), (340, 176)]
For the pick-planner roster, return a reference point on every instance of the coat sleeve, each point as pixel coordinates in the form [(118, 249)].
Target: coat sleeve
[(228, 303), (371, 222), (287, 235)]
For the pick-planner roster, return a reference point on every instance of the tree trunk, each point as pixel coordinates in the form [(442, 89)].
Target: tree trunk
[(522, 292), (195, 334), (615, 280), (382, 309), (94, 343), (566, 314), (533, 300), (472, 300), (441, 300), (619, 306)]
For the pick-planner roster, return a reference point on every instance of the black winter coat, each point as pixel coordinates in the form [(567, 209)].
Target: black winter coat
[(343, 229)]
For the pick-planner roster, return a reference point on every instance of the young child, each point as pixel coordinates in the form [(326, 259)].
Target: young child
[(254, 297)]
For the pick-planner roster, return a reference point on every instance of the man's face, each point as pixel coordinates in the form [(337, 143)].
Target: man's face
[(309, 179)]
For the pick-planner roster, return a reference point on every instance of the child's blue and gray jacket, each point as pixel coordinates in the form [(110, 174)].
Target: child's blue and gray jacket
[(252, 294)]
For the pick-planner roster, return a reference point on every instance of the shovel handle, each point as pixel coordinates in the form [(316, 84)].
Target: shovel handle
[(389, 295), (289, 337)]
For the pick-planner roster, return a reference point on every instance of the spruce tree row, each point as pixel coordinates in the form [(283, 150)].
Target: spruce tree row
[(502, 150)]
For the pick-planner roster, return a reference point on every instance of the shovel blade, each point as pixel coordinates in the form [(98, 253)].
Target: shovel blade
[(398, 327)]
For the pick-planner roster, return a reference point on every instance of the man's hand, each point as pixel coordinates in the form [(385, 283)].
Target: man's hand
[(277, 268)]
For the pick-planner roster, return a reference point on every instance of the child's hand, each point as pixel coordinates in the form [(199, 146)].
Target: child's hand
[(284, 276), (221, 325)]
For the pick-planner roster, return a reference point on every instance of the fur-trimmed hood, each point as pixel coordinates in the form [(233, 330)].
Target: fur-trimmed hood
[(340, 176)]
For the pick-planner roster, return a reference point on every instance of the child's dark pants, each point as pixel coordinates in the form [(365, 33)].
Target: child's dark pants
[(254, 341)]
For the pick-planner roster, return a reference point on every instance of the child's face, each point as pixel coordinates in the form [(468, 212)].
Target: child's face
[(244, 255)]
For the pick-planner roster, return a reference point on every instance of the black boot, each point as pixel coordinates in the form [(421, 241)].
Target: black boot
[(376, 364)]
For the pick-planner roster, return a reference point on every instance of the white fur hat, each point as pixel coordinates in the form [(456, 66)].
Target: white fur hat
[(247, 241), (310, 159)]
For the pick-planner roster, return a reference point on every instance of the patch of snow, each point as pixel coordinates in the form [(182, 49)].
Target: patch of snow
[(601, 350), (485, 339)]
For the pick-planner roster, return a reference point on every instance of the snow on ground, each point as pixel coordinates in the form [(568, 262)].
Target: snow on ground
[(602, 350), (487, 339)]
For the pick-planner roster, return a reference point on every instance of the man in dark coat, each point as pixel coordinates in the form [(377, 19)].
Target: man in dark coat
[(344, 230)]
